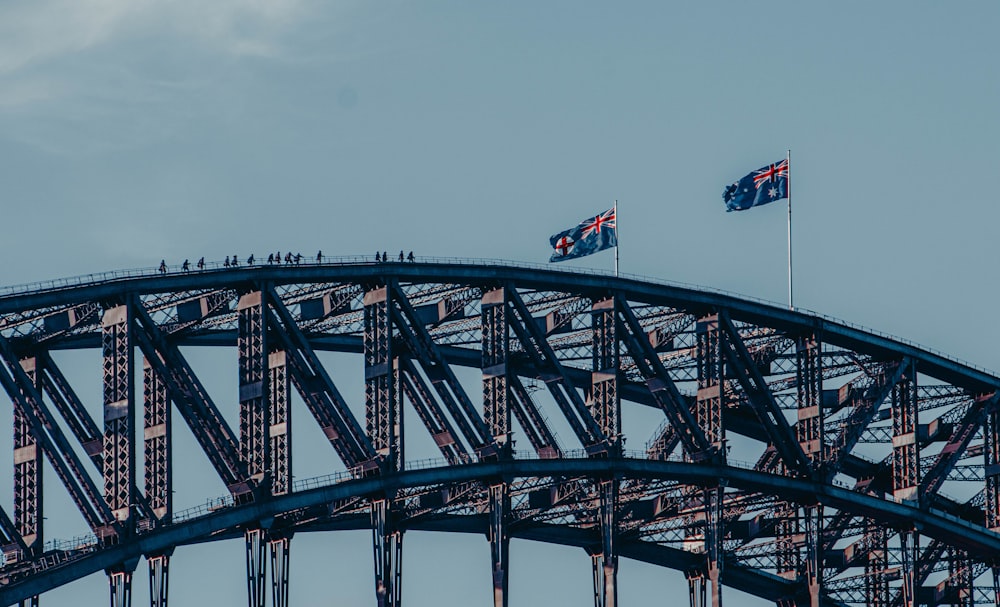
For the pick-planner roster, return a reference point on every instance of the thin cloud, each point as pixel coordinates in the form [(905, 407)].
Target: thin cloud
[(35, 32)]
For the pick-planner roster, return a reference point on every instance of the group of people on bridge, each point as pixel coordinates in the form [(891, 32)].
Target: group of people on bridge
[(274, 259), (384, 257)]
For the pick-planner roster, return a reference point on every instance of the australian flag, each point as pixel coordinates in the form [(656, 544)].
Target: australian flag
[(590, 236), (760, 187)]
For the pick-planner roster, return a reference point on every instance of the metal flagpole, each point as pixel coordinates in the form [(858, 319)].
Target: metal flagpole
[(788, 192), (617, 240)]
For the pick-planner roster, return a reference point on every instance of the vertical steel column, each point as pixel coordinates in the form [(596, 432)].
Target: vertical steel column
[(499, 542), (158, 569), (495, 348), (383, 423), (991, 469), (281, 470), (280, 431), (876, 578), (960, 578), (253, 380), (121, 588), (382, 415), (280, 553), (27, 471), (605, 562), (696, 587), (605, 407), (813, 518), (709, 405), (905, 447), (157, 444), (909, 545), (809, 429), (388, 542), (157, 450), (255, 427), (786, 528), (991, 454), (496, 415), (256, 544), (119, 413), (28, 516), (906, 471)]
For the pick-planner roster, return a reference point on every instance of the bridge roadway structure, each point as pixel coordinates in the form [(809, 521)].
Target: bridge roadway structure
[(798, 458)]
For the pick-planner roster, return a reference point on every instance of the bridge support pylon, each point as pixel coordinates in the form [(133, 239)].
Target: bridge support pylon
[(388, 547), (120, 583), (280, 549), (256, 567), (605, 562), (158, 578), (500, 542)]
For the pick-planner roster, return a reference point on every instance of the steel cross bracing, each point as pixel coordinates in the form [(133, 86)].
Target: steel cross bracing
[(842, 428)]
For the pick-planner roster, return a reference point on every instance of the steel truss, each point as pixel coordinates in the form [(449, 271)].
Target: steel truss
[(854, 440)]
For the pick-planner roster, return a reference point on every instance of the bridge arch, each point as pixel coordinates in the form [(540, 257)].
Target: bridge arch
[(853, 439)]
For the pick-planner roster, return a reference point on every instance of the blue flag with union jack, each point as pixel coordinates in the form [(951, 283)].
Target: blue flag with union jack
[(590, 236), (758, 188)]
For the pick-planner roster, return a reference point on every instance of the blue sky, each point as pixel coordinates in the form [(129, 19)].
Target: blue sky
[(135, 131)]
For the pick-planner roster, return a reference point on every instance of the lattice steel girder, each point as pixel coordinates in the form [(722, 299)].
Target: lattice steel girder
[(280, 418), (192, 401), (532, 423), (382, 406), (318, 391), (977, 540), (991, 456), (876, 566), (119, 412), (711, 399), (761, 399), (863, 413), (387, 542), (67, 466), (254, 380), (495, 346), (157, 443), (809, 392), (430, 414), (605, 404), (499, 496), (452, 394), (28, 488), (663, 389), (905, 447), (81, 424), (561, 387)]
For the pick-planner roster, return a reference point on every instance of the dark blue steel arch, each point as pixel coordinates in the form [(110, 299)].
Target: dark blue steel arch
[(752, 363)]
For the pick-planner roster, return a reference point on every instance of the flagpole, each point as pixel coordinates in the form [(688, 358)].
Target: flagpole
[(788, 191), (617, 237)]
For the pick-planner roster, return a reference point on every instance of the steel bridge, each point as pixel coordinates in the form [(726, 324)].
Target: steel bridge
[(798, 458)]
